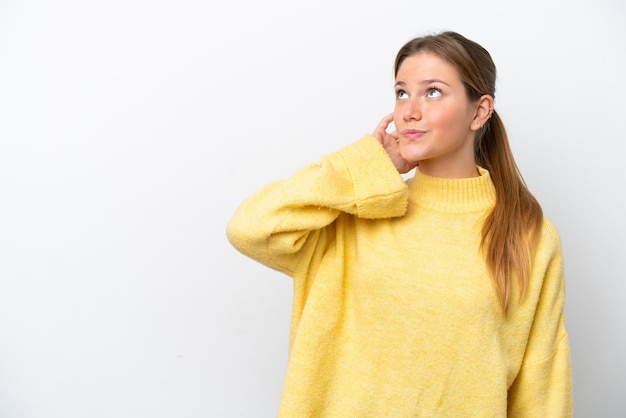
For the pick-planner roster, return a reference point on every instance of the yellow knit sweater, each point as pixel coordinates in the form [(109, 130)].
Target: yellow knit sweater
[(394, 313)]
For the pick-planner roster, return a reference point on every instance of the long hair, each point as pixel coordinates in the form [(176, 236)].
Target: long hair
[(511, 230)]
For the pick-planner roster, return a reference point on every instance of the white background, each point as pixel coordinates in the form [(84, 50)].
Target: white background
[(131, 129)]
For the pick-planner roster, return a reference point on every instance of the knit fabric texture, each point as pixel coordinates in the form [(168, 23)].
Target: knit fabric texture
[(394, 312)]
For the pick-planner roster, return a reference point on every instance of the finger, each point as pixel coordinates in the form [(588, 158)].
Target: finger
[(391, 137), (384, 123)]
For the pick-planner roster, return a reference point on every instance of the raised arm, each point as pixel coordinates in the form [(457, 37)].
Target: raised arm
[(277, 224)]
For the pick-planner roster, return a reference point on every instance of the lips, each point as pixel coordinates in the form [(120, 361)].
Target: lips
[(413, 133)]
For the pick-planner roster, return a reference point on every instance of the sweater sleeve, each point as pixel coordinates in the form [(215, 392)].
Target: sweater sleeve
[(281, 221), (543, 386)]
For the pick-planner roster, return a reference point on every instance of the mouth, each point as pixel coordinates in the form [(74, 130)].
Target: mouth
[(412, 134)]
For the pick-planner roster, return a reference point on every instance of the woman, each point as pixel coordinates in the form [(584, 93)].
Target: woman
[(441, 295)]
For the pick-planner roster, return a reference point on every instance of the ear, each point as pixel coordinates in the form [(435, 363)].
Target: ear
[(483, 111)]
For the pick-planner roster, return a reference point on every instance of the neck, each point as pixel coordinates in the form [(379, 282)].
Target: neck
[(448, 171), (451, 194)]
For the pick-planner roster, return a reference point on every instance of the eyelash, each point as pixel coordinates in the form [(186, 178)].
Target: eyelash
[(399, 92), (429, 90), (433, 89)]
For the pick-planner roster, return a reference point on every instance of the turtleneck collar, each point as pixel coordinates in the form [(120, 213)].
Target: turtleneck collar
[(472, 194)]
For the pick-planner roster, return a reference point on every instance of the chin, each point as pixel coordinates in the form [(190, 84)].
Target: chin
[(412, 156)]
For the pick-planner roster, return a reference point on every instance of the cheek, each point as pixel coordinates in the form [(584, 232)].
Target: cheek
[(448, 117), (440, 116), (397, 115)]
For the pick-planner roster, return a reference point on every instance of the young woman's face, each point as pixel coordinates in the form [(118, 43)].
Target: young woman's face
[(433, 117)]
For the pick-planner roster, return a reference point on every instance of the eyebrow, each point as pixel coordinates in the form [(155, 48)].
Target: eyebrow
[(429, 81)]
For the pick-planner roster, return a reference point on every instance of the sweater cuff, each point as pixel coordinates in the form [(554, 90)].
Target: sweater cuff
[(380, 191)]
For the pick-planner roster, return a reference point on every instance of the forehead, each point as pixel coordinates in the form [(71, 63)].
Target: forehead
[(427, 66)]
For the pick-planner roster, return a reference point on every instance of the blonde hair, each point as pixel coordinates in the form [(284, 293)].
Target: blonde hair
[(510, 232)]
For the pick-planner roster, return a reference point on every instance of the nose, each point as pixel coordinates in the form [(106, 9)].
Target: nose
[(412, 110)]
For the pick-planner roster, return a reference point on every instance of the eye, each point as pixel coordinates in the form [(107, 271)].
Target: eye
[(433, 92), (401, 95)]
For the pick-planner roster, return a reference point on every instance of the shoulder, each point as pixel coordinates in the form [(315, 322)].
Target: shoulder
[(549, 231), (549, 243)]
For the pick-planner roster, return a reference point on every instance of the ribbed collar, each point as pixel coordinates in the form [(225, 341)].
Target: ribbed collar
[(452, 195)]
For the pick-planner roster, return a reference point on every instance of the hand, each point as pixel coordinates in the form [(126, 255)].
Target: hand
[(389, 141)]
